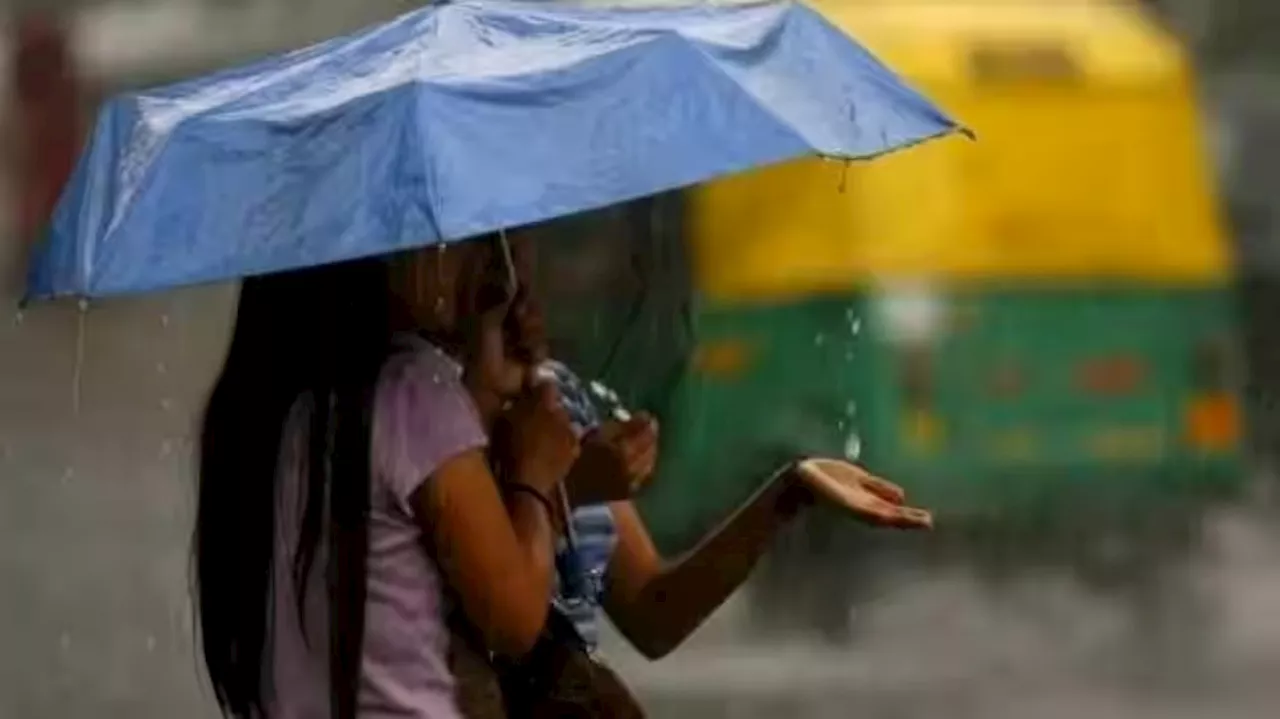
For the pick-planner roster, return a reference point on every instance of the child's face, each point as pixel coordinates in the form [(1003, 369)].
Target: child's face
[(463, 297), (526, 324)]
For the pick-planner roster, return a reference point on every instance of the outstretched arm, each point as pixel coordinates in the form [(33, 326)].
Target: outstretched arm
[(658, 604)]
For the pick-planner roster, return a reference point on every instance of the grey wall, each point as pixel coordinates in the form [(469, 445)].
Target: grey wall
[(95, 505)]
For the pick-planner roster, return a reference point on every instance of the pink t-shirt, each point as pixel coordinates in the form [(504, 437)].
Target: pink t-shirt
[(423, 416)]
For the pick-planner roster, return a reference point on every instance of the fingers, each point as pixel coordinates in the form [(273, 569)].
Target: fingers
[(640, 453), (641, 430), (636, 442), (640, 447), (884, 489), (644, 439), (912, 518), (633, 436), (641, 465), (543, 399), (640, 424), (884, 514)]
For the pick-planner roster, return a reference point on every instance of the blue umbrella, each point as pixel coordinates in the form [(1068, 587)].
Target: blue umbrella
[(451, 121)]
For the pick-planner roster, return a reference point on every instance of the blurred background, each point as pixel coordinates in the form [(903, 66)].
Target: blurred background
[(1061, 337)]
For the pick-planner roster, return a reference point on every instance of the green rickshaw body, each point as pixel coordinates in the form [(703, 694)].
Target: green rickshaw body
[(1047, 402)]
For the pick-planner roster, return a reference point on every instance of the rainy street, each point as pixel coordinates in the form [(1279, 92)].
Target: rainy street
[(1043, 647)]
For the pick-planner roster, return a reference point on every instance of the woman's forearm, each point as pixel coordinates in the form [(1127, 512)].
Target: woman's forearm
[(675, 602), (493, 550), (536, 524), (535, 532)]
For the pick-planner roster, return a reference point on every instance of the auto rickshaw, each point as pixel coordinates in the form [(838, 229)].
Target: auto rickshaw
[(1032, 333)]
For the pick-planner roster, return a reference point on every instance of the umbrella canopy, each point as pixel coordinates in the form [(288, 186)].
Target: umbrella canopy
[(451, 121)]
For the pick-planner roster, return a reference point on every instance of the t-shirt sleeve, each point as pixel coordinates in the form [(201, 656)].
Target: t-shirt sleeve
[(423, 417)]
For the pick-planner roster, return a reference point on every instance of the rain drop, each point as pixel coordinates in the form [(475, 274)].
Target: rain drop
[(64, 641), (67, 475), (853, 447), (164, 320), (603, 392), (855, 326), (162, 368), (439, 306), (166, 449), (166, 404), (18, 318), (435, 379), (851, 409), (151, 643), (819, 340)]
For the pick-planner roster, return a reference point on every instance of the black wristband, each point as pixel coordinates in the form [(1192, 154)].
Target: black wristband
[(518, 488)]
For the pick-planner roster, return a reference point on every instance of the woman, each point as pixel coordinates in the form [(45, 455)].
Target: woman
[(343, 485)]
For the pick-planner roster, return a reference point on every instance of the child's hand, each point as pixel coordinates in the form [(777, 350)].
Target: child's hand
[(616, 460)]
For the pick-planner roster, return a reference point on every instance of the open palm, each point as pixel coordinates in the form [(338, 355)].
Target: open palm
[(871, 499)]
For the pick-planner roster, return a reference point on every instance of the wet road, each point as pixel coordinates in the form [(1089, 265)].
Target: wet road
[(939, 644)]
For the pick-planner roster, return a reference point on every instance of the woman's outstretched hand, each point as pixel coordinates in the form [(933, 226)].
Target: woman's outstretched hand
[(871, 500)]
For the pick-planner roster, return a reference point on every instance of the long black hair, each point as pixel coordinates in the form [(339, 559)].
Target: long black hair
[(321, 334)]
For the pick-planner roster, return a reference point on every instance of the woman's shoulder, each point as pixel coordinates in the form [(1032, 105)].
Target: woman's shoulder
[(415, 358), (418, 378), (422, 415)]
